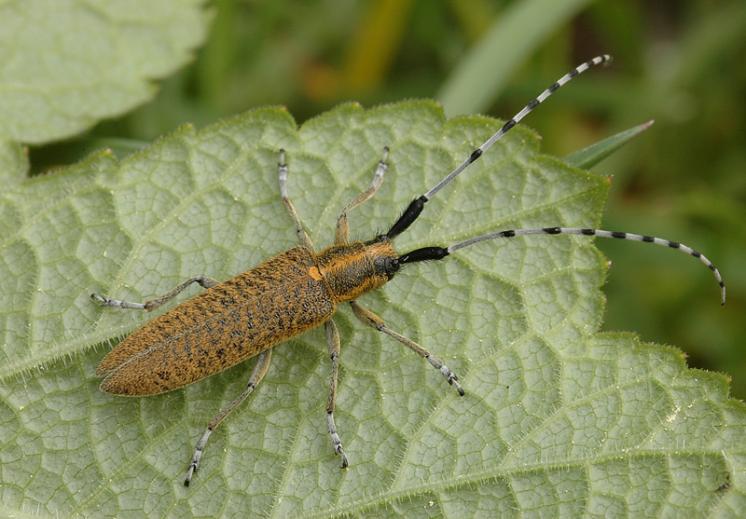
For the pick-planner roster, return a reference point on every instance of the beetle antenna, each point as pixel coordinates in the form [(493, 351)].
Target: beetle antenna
[(436, 253), (415, 207)]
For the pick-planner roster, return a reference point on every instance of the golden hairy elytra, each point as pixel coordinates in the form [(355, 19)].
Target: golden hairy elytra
[(295, 291)]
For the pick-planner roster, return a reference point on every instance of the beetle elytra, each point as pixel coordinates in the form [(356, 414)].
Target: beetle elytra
[(295, 291)]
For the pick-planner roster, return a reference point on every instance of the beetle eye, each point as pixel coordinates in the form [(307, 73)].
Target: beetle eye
[(387, 266), (391, 267)]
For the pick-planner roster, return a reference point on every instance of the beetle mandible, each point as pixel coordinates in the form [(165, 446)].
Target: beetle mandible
[(295, 291)]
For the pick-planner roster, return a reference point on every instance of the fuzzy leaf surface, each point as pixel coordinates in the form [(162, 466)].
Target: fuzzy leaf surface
[(558, 419)]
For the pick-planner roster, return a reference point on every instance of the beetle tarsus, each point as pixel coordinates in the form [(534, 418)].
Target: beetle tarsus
[(190, 472)]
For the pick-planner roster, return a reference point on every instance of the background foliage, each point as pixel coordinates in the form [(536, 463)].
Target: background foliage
[(679, 63)]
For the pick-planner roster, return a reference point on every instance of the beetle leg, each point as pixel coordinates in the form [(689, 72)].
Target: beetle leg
[(343, 229), (152, 304), (372, 320), (257, 374), (282, 172), (332, 339)]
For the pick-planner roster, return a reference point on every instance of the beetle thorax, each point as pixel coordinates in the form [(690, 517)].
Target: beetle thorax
[(353, 269)]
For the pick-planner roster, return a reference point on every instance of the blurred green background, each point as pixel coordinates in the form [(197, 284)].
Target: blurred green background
[(678, 62)]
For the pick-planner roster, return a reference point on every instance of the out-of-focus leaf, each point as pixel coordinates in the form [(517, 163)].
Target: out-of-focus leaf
[(67, 64)]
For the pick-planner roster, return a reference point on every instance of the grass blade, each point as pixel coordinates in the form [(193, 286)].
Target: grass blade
[(591, 155)]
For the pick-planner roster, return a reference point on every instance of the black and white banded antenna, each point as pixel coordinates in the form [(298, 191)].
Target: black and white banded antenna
[(417, 205), (435, 253)]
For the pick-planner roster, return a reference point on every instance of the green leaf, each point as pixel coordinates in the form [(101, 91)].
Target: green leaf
[(558, 419), (68, 64), (477, 80), (598, 151), (13, 163)]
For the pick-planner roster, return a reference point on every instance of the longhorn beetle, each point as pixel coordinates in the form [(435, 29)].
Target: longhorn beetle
[(295, 291)]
